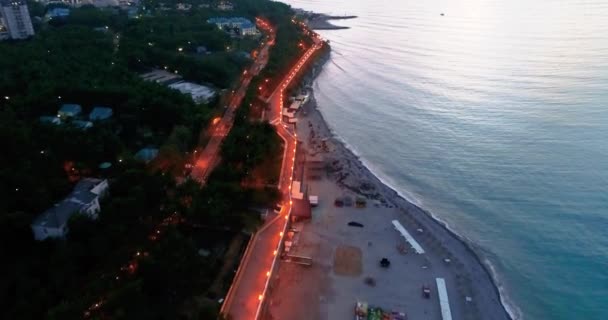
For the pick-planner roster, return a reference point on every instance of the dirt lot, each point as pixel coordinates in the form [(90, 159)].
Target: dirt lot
[(347, 261)]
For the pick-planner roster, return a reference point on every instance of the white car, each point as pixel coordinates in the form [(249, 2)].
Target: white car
[(278, 208)]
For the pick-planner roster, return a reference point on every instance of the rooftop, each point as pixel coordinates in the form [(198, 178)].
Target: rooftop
[(160, 76), (58, 215), (100, 113), (50, 119), (70, 108), (58, 12), (80, 124), (198, 92), (146, 154), (6, 3), (233, 20)]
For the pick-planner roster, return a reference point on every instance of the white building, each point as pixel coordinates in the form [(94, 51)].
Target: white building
[(243, 25), (248, 30), (16, 19), (84, 199), (198, 92)]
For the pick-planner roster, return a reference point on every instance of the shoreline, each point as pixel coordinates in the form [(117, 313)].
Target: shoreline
[(486, 281), (320, 21)]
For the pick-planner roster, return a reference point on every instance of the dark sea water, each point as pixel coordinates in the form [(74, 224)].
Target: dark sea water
[(494, 117)]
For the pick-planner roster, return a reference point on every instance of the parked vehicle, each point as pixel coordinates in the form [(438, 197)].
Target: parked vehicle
[(360, 202), (426, 291), (385, 263), (338, 203)]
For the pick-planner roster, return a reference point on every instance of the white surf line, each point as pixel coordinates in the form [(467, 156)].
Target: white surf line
[(408, 237), (444, 302)]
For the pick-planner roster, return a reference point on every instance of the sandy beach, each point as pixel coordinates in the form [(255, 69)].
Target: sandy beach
[(345, 266)]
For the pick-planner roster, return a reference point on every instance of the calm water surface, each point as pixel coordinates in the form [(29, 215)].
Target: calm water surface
[(494, 117)]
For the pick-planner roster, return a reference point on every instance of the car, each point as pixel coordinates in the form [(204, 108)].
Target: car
[(385, 263), (355, 224), (339, 203), (426, 292), (278, 207)]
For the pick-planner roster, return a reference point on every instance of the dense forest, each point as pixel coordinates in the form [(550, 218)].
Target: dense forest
[(141, 259)]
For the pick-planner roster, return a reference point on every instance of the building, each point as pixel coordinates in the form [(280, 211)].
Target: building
[(146, 154), (69, 110), (82, 125), (84, 199), (58, 13), (243, 26), (201, 50), (50, 120), (184, 6), (198, 92), (3, 31), (100, 113), (161, 76), (225, 6), (99, 3), (16, 19)]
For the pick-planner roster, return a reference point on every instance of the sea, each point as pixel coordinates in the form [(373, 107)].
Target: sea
[(493, 116)]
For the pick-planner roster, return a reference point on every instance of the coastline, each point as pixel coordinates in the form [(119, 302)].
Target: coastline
[(319, 21), (489, 295)]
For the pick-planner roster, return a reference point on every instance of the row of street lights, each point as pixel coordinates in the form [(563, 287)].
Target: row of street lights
[(300, 64)]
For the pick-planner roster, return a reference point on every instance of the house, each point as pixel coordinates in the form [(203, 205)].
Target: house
[(146, 154), (84, 199), (100, 113), (69, 110)]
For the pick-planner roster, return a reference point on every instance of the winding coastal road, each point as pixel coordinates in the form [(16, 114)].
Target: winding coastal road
[(207, 157)]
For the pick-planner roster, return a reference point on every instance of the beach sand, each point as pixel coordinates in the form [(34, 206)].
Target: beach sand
[(346, 259)]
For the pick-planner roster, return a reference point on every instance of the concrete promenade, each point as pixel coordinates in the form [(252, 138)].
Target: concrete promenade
[(248, 291)]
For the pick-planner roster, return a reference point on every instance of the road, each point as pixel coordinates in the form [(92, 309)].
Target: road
[(207, 158), (246, 296)]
